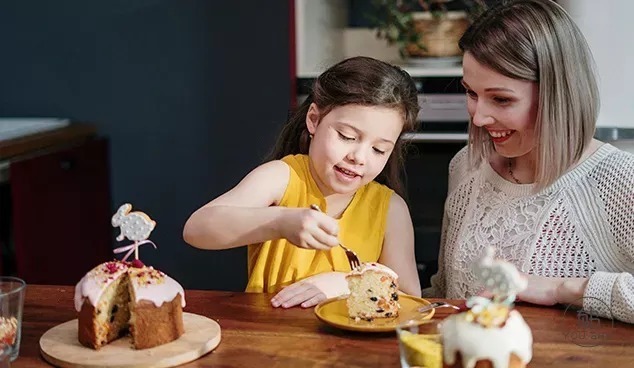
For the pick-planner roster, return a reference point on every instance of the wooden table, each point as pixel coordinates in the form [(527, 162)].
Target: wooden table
[(256, 335)]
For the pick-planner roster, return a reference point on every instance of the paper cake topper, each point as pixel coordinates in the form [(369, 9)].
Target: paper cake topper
[(135, 226), (500, 278)]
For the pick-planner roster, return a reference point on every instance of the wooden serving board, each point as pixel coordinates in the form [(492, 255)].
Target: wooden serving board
[(60, 347)]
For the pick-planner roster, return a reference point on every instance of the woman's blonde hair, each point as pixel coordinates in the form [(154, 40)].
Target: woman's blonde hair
[(536, 40)]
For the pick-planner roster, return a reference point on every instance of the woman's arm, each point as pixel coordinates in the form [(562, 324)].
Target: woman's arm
[(398, 246)]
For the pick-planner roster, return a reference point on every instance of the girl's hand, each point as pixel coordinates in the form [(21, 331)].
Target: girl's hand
[(312, 290), (309, 229)]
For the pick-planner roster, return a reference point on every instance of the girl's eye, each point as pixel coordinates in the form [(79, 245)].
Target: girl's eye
[(471, 94), (345, 137), (378, 151)]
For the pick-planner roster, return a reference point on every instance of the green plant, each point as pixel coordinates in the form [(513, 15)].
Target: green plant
[(393, 19)]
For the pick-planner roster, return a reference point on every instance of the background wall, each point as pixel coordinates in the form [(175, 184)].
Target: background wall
[(607, 28), (190, 93)]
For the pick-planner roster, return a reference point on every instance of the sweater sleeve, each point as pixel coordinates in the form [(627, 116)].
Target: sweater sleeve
[(456, 170), (610, 292)]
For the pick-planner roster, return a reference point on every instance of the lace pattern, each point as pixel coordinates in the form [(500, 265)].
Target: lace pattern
[(552, 233)]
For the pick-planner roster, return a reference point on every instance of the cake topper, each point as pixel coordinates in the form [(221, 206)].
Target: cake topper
[(500, 278), (135, 226)]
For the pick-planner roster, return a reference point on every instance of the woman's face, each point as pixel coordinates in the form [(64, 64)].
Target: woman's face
[(505, 107)]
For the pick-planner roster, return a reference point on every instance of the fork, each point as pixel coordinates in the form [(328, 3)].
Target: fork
[(353, 259), (437, 305)]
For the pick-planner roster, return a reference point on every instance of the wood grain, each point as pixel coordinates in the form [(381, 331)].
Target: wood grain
[(60, 347), (254, 334)]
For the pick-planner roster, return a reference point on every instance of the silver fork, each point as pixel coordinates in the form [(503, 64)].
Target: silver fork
[(353, 259), (437, 305)]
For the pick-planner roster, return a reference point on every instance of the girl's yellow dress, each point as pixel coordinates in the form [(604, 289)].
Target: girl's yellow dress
[(277, 263)]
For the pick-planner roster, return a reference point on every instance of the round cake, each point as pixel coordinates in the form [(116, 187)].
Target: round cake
[(116, 298), (489, 336)]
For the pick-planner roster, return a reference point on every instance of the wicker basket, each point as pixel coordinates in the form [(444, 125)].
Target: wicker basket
[(440, 36)]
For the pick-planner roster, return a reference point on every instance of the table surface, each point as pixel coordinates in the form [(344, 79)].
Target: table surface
[(256, 334)]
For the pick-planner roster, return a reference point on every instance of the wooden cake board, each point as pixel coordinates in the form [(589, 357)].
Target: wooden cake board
[(60, 347)]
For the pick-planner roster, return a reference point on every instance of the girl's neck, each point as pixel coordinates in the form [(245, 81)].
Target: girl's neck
[(337, 202)]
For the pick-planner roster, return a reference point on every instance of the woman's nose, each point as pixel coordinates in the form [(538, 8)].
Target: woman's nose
[(481, 117)]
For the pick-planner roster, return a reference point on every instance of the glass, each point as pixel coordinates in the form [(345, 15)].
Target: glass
[(11, 306), (5, 355), (419, 343)]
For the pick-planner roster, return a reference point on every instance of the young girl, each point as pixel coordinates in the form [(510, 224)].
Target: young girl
[(345, 135)]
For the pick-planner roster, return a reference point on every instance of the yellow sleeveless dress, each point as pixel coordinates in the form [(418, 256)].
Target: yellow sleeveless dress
[(277, 263)]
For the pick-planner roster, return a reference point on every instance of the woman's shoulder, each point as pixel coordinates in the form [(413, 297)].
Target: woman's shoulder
[(460, 161), (612, 162)]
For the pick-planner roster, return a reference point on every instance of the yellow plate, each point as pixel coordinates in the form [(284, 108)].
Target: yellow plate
[(335, 313)]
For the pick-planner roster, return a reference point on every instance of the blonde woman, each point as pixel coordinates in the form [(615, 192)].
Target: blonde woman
[(533, 182)]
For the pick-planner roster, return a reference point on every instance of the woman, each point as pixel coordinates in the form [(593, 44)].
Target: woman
[(533, 182)]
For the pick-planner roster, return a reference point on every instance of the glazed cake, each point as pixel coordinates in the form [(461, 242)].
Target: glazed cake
[(118, 297), (489, 336), (491, 333), (373, 292)]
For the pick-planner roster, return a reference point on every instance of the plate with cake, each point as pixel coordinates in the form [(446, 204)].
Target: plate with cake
[(129, 314), (374, 303)]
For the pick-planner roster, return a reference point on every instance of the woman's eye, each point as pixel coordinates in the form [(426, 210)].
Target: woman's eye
[(345, 137), (378, 151), (501, 100), (471, 94)]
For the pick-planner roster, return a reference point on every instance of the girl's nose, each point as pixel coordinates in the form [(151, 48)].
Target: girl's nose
[(357, 155)]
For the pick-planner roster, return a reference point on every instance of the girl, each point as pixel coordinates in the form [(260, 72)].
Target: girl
[(345, 135)]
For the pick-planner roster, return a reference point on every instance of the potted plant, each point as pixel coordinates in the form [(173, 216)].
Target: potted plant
[(424, 28)]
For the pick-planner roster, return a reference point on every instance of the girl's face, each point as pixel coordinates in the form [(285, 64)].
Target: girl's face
[(505, 107), (351, 145)]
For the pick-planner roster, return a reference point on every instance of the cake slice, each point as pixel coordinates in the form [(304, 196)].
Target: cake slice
[(373, 292)]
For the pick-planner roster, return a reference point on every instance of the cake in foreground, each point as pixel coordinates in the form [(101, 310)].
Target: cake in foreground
[(117, 297), (491, 333), (120, 297), (373, 292)]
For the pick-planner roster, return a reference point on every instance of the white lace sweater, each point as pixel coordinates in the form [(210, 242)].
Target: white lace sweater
[(581, 226)]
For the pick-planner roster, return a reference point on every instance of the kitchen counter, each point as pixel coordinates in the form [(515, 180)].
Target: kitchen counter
[(19, 148)]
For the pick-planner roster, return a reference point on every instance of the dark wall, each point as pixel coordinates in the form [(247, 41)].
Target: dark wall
[(190, 93)]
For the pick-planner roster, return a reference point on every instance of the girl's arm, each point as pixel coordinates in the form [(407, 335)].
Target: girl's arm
[(398, 246), (249, 214), (243, 215)]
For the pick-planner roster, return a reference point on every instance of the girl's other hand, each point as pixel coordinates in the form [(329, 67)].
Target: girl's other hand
[(310, 229), (312, 290)]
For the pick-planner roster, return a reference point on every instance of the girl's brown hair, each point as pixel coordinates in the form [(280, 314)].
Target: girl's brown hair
[(361, 81)]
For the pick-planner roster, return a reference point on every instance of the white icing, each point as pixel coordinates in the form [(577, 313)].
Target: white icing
[(95, 282), (158, 293), (475, 342), (373, 266)]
